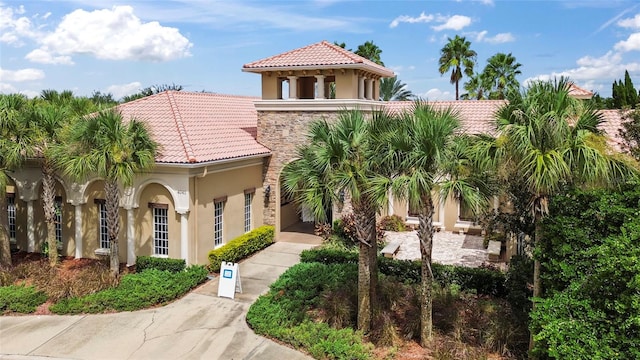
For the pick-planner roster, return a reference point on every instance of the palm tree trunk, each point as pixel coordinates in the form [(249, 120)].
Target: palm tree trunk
[(457, 92), (5, 244), (425, 234), (367, 278), (537, 287), (113, 223), (49, 205)]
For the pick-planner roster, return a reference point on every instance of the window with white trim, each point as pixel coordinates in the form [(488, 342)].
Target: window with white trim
[(217, 221), (248, 197), (103, 234), (160, 229), (11, 211), (58, 219)]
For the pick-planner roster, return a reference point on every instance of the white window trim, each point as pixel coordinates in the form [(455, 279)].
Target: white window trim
[(101, 205), (217, 204), (248, 213), (11, 215), (59, 208), (156, 232)]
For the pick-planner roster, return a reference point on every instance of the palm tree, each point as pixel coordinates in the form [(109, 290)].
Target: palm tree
[(549, 140), (338, 158), (478, 87), (433, 161), (392, 89), (12, 146), (369, 51), (107, 146), (501, 71), (455, 55)]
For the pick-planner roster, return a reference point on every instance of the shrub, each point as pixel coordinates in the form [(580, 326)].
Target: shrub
[(346, 227), (148, 262), (136, 291), (392, 223), (482, 281), (241, 247), (283, 313), (20, 298)]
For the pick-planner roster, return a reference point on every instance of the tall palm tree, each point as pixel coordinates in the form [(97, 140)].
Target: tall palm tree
[(12, 149), (392, 89), (369, 51), (456, 55), (478, 87), (433, 162), (116, 150), (549, 140), (501, 72), (338, 158)]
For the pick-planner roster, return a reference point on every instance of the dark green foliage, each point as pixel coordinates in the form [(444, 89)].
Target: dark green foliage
[(519, 287), (630, 133), (392, 223), (624, 93), (20, 299), (591, 308), (241, 247), (148, 262), (482, 281), (283, 312), (136, 291)]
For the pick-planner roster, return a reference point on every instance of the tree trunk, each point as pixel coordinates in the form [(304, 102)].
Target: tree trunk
[(112, 203), (425, 234), (367, 268), (49, 205), (5, 244), (537, 287), (457, 93)]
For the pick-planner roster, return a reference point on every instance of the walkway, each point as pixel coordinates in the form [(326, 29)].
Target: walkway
[(198, 326), (448, 248)]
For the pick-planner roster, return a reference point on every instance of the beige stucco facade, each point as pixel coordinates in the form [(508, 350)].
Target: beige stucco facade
[(187, 193)]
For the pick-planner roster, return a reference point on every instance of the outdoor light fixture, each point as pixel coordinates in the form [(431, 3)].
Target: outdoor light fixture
[(267, 191)]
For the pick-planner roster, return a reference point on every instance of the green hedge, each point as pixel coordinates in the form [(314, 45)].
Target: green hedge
[(148, 262), (136, 291), (20, 299), (282, 313), (482, 281), (241, 247)]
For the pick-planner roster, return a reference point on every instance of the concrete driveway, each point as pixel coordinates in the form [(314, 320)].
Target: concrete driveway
[(198, 326)]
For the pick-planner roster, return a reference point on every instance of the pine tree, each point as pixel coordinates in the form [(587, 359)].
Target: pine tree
[(630, 90)]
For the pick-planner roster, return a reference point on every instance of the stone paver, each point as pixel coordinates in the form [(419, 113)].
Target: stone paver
[(448, 248)]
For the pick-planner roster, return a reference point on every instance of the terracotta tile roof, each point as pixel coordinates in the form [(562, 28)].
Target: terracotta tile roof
[(578, 92), (476, 115), (319, 55), (198, 127), (611, 125)]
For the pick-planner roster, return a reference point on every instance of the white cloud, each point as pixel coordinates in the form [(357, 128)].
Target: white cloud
[(455, 22), (21, 75), (7, 88), (437, 94), (593, 69), (423, 18), (14, 28), (497, 39), (45, 57), (120, 91), (112, 34), (632, 43), (485, 2), (633, 23)]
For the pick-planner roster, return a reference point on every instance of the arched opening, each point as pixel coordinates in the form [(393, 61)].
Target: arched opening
[(157, 225), (295, 219), (64, 221)]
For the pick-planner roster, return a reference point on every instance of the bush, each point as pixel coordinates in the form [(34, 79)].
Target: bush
[(482, 281), (20, 298), (241, 247), (392, 223), (148, 262), (135, 292), (283, 313), (346, 228)]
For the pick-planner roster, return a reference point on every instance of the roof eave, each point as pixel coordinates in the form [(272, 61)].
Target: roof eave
[(212, 162), (366, 67)]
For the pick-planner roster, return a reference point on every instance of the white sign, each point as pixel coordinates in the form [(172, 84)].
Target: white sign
[(229, 282)]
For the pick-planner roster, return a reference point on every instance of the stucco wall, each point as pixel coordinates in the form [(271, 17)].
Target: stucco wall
[(144, 230), (230, 183), (90, 224)]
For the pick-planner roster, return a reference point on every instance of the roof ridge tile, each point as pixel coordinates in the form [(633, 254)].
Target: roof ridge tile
[(182, 132)]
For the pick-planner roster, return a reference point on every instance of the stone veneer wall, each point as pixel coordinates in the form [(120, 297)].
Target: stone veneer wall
[(283, 132)]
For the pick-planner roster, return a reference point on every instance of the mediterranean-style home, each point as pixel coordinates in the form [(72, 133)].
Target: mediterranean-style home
[(218, 172)]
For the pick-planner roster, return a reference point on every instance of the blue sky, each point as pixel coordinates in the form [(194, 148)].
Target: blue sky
[(123, 46)]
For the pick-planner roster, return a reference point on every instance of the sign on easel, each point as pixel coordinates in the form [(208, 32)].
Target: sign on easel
[(229, 283)]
